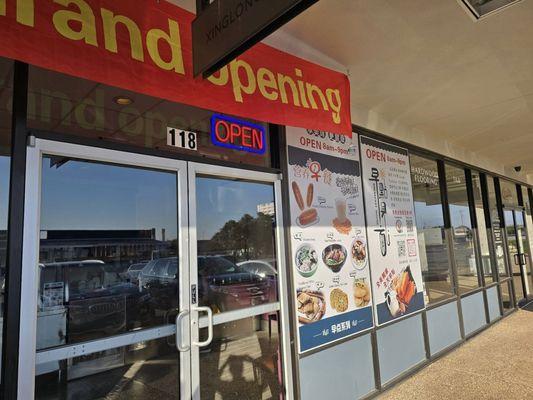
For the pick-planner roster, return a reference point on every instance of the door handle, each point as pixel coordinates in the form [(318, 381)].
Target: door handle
[(209, 339), (516, 259), (179, 318)]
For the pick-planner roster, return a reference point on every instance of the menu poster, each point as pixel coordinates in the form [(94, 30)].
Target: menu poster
[(397, 284), (328, 238)]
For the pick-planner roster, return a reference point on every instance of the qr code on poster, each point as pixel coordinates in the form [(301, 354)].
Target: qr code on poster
[(401, 248), (412, 247), (409, 224)]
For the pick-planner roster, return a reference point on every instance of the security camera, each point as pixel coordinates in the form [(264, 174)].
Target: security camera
[(518, 168)]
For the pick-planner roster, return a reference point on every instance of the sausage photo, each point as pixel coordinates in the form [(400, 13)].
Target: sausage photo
[(308, 216), (298, 195), (310, 190)]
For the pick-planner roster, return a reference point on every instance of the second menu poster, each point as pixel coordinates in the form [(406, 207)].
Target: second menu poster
[(397, 282), (328, 237)]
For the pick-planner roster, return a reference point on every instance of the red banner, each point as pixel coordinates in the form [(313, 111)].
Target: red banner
[(145, 46)]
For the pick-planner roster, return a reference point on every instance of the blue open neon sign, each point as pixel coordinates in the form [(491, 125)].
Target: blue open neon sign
[(237, 135)]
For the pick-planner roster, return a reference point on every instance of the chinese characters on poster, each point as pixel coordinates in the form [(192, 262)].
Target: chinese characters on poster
[(328, 239), (397, 284)]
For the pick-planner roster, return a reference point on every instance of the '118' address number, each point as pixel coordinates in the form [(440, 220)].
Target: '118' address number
[(182, 139)]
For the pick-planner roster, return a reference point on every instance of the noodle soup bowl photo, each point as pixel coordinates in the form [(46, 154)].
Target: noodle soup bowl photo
[(334, 256), (306, 260)]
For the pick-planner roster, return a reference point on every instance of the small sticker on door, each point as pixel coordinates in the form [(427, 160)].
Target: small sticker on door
[(193, 294)]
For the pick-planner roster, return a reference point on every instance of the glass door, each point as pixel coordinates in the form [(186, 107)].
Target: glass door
[(515, 234), (141, 280), (525, 254), (236, 273), (105, 276)]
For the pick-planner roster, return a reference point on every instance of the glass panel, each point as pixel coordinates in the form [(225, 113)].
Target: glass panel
[(514, 250), (108, 265), (243, 361), (527, 240), (505, 288), (147, 370), (431, 232), (523, 245), (75, 106), (509, 193), (462, 232), (484, 232), (236, 243), (497, 234), (6, 100)]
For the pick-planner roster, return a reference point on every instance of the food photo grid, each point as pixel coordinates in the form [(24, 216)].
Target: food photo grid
[(328, 238)]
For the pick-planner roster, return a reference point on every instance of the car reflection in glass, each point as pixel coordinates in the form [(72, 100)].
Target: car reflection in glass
[(134, 270), (265, 269), (101, 302), (222, 284), (226, 286), (159, 280)]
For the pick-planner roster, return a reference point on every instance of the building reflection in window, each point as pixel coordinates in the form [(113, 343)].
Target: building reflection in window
[(108, 265)]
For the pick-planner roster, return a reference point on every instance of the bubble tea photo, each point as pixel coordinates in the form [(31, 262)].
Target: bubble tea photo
[(341, 223), (340, 205)]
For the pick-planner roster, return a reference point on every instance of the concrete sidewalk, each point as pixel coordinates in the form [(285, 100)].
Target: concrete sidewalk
[(496, 364)]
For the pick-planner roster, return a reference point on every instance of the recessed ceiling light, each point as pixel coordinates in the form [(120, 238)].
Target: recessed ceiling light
[(123, 100)]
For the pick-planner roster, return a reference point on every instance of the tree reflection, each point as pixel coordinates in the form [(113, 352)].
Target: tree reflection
[(245, 239)]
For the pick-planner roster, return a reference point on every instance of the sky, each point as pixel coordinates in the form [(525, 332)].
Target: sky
[(87, 195)]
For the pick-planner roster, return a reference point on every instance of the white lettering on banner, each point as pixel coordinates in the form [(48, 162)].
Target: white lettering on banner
[(151, 41)]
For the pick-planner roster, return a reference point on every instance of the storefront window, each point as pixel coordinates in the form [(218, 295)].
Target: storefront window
[(243, 361), (108, 266), (108, 256), (462, 232), (431, 231), (528, 240), (497, 232), (74, 106), (6, 100), (237, 265), (509, 194), (484, 232), (507, 300)]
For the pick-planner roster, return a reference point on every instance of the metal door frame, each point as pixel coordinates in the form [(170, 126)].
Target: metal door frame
[(282, 305), (510, 256), (523, 256), (28, 356), (528, 256)]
